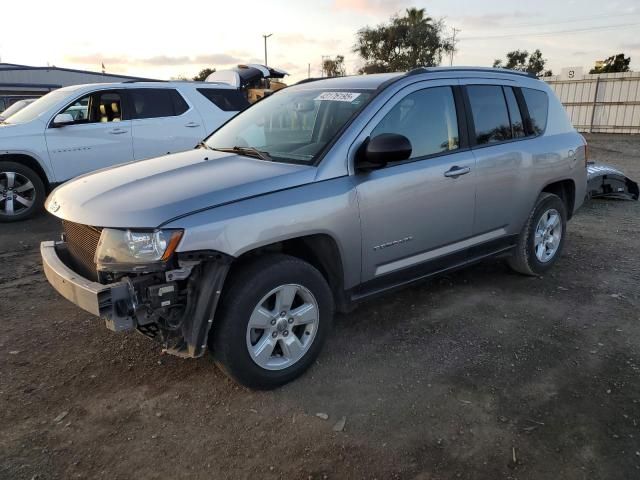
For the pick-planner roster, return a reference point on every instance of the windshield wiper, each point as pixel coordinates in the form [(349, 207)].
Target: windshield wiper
[(249, 151), (203, 145)]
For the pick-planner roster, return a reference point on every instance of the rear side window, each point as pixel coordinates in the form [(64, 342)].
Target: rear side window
[(538, 106), (225, 99), (427, 118), (156, 102), (179, 105), (490, 114), (517, 125)]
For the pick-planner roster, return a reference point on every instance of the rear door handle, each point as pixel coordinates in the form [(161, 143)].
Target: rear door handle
[(191, 125), (455, 172), (117, 131)]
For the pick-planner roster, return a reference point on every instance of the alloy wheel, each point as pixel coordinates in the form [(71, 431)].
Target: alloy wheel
[(282, 327), (548, 235), (17, 193)]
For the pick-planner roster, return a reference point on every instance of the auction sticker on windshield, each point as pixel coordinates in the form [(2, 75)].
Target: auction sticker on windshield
[(338, 96)]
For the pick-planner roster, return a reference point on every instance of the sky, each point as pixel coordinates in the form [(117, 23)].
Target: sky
[(164, 40)]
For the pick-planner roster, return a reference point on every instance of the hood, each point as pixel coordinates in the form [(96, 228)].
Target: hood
[(148, 193), (8, 128)]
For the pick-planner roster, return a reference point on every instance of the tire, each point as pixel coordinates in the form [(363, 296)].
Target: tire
[(18, 185), (254, 293), (526, 258)]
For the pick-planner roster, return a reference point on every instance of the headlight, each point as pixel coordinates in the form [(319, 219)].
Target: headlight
[(135, 248)]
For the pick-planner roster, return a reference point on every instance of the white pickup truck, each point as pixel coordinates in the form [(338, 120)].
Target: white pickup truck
[(82, 128)]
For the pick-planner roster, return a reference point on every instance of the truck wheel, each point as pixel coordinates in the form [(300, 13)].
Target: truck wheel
[(542, 238), (21, 192), (274, 317)]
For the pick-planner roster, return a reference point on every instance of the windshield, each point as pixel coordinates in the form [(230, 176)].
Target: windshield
[(290, 126), (19, 105), (37, 108)]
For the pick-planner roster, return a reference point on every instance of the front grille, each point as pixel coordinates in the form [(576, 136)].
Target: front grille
[(82, 242)]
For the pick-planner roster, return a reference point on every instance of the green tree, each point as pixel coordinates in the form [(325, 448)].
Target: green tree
[(204, 73), (521, 61), (616, 63), (404, 43), (333, 67)]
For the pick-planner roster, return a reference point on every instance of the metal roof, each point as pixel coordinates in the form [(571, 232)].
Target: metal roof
[(30, 85), (14, 66)]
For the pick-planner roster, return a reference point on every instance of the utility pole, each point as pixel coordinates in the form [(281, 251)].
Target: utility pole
[(265, 48), (309, 70), (453, 44)]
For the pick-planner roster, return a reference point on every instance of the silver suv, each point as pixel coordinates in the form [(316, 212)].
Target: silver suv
[(318, 197)]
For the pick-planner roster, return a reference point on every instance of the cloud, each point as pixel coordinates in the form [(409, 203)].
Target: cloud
[(157, 61), (219, 59), (492, 20), (161, 60), (630, 46), (372, 6), (299, 38)]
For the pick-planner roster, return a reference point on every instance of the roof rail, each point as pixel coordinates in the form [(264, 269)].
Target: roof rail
[(143, 81), (417, 71), (309, 80)]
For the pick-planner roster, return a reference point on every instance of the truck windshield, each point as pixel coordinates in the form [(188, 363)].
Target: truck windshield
[(290, 126), (37, 108)]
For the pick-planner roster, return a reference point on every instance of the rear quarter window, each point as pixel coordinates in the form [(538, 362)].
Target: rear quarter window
[(225, 99), (538, 105)]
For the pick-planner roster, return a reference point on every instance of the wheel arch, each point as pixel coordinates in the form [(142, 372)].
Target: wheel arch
[(566, 190), (32, 163), (319, 250)]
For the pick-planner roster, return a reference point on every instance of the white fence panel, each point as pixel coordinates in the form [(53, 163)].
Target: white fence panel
[(606, 103)]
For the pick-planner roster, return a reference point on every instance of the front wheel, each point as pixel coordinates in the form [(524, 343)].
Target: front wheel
[(21, 192), (274, 317), (542, 237)]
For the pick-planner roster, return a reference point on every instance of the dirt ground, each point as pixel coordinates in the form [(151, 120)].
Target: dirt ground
[(481, 374)]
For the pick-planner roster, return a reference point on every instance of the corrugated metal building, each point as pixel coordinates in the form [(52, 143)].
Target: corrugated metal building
[(27, 80), (602, 103)]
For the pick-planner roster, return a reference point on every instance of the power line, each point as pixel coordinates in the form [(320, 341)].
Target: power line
[(572, 20), (556, 32)]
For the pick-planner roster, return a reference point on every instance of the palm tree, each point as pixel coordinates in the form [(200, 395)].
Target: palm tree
[(415, 16), (416, 22)]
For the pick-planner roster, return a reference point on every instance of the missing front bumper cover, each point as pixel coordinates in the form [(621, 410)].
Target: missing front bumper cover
[(117, 303)]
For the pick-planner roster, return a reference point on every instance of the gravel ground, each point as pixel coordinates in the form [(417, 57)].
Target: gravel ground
[(481, 374)]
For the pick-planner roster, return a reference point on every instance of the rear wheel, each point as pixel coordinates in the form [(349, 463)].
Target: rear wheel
[(542, 237), (21, 192), (273, 320)]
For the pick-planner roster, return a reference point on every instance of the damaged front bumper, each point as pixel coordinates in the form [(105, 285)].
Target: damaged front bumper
[(606, 181), (125, 304)]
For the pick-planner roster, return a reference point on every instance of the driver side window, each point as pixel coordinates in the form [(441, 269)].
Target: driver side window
[(98, 107), (427, 118)]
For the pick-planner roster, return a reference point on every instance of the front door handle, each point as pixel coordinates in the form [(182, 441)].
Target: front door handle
[(455, 172), (117, 131), (191, 125)]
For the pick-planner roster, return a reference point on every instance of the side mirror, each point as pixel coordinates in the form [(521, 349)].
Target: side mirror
[(62, 119), (383, 149)]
